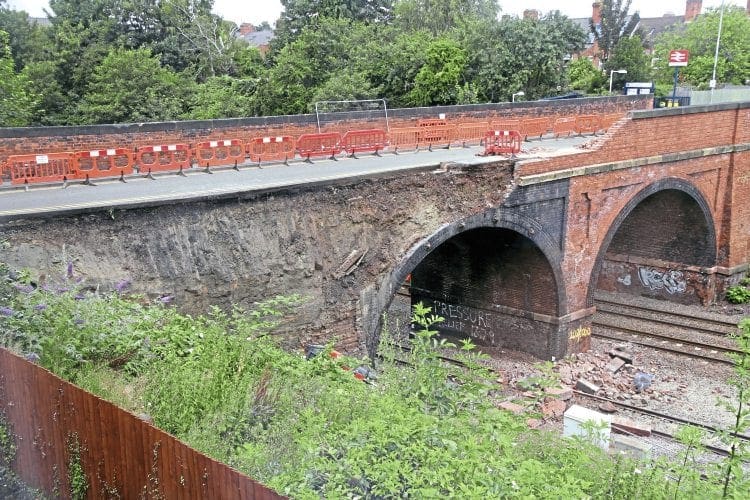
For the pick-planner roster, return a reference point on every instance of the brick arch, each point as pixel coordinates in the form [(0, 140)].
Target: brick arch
[(661, 186), (374, 306)]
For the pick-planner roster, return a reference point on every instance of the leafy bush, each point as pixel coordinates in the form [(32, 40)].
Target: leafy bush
[(738, 295)]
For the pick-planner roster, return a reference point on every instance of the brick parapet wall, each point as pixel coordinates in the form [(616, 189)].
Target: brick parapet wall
[(36, 140), (659, 132)]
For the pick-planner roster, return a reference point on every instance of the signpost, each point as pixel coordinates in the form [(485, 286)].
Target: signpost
[(677, 60)]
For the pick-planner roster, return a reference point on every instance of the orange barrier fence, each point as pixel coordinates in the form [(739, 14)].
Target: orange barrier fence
[(311, 145), (49, 167), (164, 158), (470, 132), (104, 163), (213, 153), (535, 127), (404, 138), (500, 142), (436, 133), (588, 124), (280, 148), (610, 119), (120, 455), (564, 126), (364, 141)]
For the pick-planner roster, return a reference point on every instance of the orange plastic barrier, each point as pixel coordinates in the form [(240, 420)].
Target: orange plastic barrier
[(564, 126), (588, 124), (436, 133), (404, 138), (501, 142), (469, 132), (309, 145), (508, 125), (610, 119), (535, 127), (104, 163), (225, 152), (163, 158), (364, 141), (279, 148), (49, 167)]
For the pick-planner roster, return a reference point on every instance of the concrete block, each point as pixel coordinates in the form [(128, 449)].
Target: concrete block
[(584, 385), (623, 355), (622, 425), (615, 364), (630, 446), (589, 424)]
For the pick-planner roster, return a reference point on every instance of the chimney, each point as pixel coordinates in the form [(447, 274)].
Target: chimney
[(692, 9), (596, 12), (246, 29), (533, 14)]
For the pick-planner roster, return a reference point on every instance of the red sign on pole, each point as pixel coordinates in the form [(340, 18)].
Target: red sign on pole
[(678, 57)]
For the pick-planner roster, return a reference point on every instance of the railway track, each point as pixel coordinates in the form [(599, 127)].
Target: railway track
[(681, 330)]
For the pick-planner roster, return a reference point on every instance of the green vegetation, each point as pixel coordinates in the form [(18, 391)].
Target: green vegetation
[(309, 428), (77, 481)]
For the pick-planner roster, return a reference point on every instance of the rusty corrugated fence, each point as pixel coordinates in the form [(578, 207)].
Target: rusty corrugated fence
[(122, 456)]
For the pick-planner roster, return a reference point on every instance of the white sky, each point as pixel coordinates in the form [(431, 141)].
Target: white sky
[(257, 11)]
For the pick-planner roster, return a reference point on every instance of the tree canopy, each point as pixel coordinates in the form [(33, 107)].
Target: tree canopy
[(135, 60)]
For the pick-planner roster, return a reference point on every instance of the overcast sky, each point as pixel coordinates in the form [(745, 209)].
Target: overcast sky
[(257, 11)]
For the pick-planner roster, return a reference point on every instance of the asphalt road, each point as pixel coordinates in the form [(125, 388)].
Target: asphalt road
[(47, 200)]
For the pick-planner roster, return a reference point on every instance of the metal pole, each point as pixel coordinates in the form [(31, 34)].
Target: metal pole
[(674, 92), (317, 116), (716, 54)]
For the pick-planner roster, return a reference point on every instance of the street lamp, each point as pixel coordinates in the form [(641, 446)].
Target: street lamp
[(520, 93), (612, 73), (712, 83)]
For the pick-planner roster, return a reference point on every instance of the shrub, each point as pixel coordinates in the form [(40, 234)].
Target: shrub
[(738, 295)]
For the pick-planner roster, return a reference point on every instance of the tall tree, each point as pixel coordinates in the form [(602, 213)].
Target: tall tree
[(440, 16), (699, 37), (616, 22), (629, 55), (16, 104), (298, 14)]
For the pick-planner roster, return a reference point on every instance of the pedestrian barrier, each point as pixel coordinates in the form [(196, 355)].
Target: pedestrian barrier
[(404, 138), (470, 132), (49, 167), (535, 127), (507, 125), (280, 148), (436, 133), (104, 163), (317, 145), (163, 158), (502, 142), (610, 119), (564, 126), (214, 153), (588, 124), (364, 141)]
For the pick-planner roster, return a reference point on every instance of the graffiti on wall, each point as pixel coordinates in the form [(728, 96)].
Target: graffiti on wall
[(579, 333), (669, 280), (465, 319)]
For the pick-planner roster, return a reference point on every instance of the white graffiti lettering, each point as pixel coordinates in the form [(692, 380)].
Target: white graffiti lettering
[(670, 280), (625, 280)]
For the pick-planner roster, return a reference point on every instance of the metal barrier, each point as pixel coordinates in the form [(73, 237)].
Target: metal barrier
[(404, 138), (104, 163), (49, 167), (280, 148), (466, 133), (364, 141), (588, 124), (214, 153), (501, 142), (164, 158), (317, 145), (535, 127), (564, 126)]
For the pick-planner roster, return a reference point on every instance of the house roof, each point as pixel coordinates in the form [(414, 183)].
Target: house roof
[(651, 26), (258, 38)]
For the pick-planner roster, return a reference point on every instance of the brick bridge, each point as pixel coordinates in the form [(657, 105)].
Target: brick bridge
[(509, 252)]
